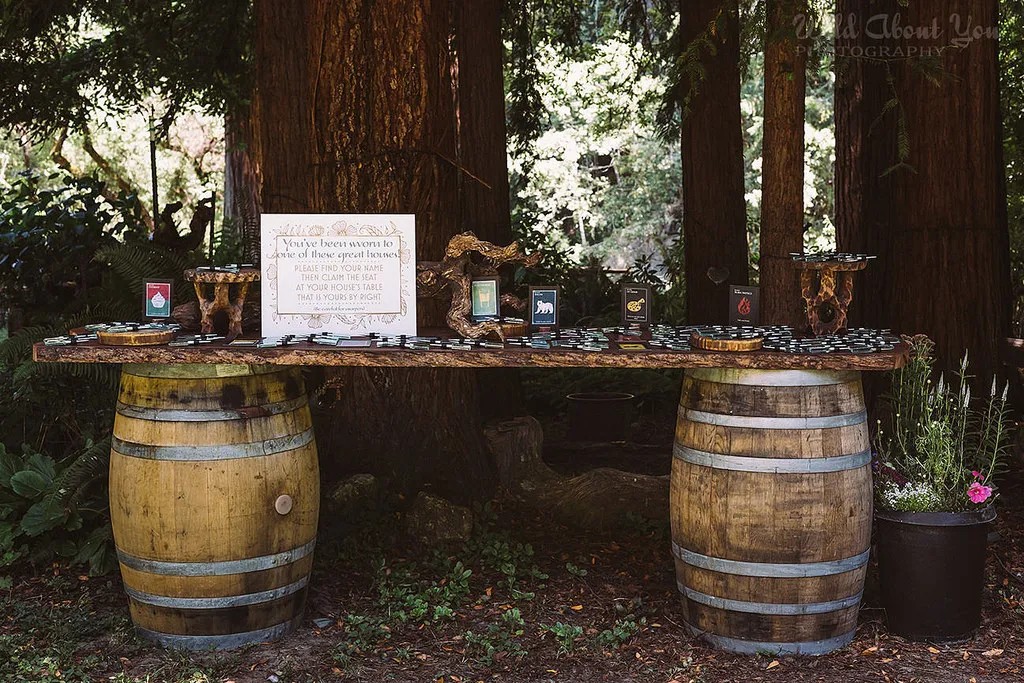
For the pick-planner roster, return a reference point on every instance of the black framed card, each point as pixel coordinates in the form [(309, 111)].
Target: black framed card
[(636, 304), (485, 298), (544, 302)]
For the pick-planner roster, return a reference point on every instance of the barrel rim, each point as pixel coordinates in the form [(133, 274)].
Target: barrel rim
[(773, 378), (199, 370), (226, 641), (771, 569), (220, 602), (754, 647), (769, 465), (770, 608), (208, 452), (217, 568), (770, 422), (182, 415)]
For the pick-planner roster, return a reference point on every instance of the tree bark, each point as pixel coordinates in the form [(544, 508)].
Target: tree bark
[(714, 209), (241, 182), (366, 107), (935, 213), (782, 184)]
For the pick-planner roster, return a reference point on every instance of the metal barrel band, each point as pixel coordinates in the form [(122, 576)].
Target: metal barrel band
[(746, 463), (197, 371), (218, 602), (768, 569), (773, 378), (256, 449), (219, 642), (248, 413), (754, 647), (773, 608), (222, 568), (721, 420)]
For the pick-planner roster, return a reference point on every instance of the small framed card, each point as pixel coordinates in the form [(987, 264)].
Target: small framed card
[(636, 305), (543, 304), (744, 305), (485, 297), (158, 298)]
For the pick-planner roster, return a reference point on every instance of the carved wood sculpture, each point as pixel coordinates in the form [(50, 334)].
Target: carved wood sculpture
[(221, 300), (827, 290), (165, 232), (456, 272)]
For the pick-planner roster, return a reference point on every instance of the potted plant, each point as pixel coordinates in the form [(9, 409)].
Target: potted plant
[(937, 455)]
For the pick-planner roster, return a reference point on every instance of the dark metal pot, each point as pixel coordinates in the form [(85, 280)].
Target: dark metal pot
[(932, 571), (600, 416)]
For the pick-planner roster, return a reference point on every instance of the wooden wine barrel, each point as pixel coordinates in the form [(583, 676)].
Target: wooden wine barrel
[(771, 508), (214, 498)]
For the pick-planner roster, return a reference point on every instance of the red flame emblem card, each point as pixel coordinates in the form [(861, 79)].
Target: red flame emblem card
[(744, 305)]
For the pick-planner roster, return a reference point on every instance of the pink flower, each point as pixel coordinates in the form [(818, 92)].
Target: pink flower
[(976, 474), (978, 493)]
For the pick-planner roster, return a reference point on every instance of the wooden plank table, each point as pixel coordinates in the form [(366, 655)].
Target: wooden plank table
[(510, 357), (770, 490)]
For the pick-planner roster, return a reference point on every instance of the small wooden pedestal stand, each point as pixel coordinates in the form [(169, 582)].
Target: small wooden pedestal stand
[(827, 288), (221, 299)]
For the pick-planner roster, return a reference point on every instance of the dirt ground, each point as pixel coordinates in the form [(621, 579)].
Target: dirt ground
[(541, 603)]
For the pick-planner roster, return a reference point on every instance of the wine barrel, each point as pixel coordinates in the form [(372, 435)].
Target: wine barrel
[(214, 499), (771, 508)]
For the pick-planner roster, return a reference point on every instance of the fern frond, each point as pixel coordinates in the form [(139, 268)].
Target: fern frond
[(87, 466)]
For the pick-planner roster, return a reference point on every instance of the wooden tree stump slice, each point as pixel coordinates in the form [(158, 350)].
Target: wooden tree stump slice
[(136, 337)]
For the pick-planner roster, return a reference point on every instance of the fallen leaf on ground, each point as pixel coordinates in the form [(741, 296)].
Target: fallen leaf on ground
[(576, 608), (774, 664), (995, 652), (933, 650), (871, 650)]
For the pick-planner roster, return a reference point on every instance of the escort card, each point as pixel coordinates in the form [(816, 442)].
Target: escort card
[(744, 305), (343, 273)]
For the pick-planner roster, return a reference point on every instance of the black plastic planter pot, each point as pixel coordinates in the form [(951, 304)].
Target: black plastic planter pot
[(600, 416), (932, 571)]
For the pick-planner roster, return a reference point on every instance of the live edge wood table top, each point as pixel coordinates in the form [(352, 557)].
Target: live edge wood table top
[(514, 357)]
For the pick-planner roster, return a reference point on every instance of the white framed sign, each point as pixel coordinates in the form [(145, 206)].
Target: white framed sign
[(345, 273)]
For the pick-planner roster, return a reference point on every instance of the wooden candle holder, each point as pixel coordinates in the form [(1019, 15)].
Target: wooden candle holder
[(826, 285), (221, 282)]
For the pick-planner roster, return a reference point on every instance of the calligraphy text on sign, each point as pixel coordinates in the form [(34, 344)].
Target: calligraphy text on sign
[(339, 274)]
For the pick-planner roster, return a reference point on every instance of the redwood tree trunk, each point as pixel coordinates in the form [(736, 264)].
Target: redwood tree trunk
[(367, 107), (936, 218), (714, 209), (782, 184)]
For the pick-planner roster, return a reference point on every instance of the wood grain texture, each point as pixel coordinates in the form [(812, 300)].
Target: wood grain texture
[(200, 512), (781, 521), (311, 354)]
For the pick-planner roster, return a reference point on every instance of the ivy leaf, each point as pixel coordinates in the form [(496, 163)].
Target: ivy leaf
[(29, 484)]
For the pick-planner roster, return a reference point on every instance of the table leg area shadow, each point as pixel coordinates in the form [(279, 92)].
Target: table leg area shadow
[(214, 499)]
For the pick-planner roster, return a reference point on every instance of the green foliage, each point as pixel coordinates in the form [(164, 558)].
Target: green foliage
[(48, 235), (408, 599), (49, 509), (621, 632), (565, 635), (61, 61), (75, 254), (938, 442), (500, 638)]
